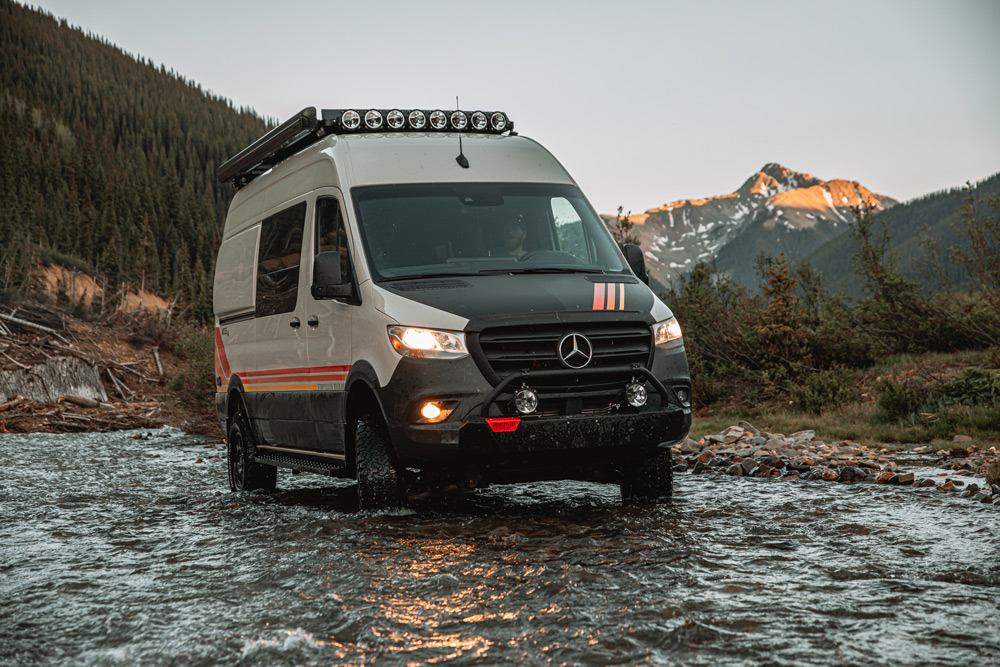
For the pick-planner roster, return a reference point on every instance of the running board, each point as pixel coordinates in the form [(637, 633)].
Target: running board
[(332, 468)]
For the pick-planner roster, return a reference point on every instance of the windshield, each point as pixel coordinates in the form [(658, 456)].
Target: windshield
[(481, 228)]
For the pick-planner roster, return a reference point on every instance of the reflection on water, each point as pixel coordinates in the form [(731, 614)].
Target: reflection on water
[(114, 550)]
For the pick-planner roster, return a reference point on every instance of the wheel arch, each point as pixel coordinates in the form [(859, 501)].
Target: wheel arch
[(362, 397)]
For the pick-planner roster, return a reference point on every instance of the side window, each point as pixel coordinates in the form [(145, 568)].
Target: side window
[(569, 229), (331, 234), (278, 261)]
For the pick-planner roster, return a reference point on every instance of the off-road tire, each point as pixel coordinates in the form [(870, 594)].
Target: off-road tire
[(244, 473), (648, 480), (380, 481)]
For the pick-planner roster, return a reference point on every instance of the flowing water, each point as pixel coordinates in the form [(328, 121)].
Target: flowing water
[(116, 550)]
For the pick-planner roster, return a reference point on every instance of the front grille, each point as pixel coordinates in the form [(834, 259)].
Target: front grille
[(616, 345)]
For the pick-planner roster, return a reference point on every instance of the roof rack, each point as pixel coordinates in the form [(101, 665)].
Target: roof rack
[(305, 129)]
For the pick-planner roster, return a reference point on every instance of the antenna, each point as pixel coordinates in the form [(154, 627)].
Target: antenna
[(461, 159)]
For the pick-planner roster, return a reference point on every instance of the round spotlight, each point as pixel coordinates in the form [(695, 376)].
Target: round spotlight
[(635, 394), (373, 119), (350, 120), (395, 119), (525, 401), (438, 120), (498, 121), (683, 396), (459, 120), (417, 119), (479, 121), (430, 411)]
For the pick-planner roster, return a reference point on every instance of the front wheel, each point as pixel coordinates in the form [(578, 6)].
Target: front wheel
[(245, 474), (648, 480), (380, 481)]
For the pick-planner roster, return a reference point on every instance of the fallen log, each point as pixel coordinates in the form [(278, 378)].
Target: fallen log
[(32, 325), (14, 402), (78, 400)]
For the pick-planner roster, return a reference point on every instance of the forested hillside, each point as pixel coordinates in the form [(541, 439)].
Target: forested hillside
[(108, 161), (937, 216)]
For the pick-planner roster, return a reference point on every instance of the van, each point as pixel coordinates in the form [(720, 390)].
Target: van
[(424, 300)]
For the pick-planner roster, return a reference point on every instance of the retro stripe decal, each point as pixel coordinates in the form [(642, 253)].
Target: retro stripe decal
[(278, 379), (609, 296)]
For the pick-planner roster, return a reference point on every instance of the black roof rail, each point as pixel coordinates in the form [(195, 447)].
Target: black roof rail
[(287, 139)]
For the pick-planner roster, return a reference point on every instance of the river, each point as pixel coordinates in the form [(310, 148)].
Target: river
[(116, 549)]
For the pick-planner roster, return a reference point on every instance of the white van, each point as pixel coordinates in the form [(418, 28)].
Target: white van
[(425, 300)]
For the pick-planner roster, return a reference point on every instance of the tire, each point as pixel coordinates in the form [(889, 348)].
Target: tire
[(650, 479), (380, 481), (244, 473)]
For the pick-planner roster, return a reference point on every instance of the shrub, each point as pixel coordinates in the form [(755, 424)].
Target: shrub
[(898, 401), (824, 389), (973, 386), (195, 378)]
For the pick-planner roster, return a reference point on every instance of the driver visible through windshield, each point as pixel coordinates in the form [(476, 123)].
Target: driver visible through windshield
[(421, 230)]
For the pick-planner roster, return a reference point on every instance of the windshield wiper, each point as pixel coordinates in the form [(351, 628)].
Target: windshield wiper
[(539, 269), (418, 276)]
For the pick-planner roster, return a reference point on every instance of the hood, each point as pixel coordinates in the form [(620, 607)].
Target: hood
[(523, 298)]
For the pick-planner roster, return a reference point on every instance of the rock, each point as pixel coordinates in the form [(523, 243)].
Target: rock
[(800, 469), (736, 470), (851, 474), (699, 468), (704, 457), (731, 434), (983, 497), (884, 477), (803, 436), (689, 446), (747, 426), (947, 486), (971, 490), (891, 465), (961, 438), (748, 465), (776, 444), (905, 478), (927, 483), (830, 475), (958, 482), (757, 441), (763, 470), (680, 467)]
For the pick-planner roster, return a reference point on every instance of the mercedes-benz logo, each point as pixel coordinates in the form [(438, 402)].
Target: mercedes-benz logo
[(575, 351)]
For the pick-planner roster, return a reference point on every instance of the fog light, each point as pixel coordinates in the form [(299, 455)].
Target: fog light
[(525, 401), (635, 394), (683, 396), (435, 411), (430, 411)]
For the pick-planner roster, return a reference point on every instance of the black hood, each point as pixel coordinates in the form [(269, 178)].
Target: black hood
[(527, 298)]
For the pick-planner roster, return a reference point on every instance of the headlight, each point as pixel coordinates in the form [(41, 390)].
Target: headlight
[(666, 331), (428, 343)]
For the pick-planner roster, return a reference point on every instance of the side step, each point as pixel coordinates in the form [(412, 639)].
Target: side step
[(331, 468)]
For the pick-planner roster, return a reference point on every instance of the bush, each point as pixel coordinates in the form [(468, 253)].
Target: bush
[(195, 378), (899, 401), (973, 386), (824, 389)]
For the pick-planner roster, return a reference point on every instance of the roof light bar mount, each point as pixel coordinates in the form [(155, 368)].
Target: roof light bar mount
[(306, 128)]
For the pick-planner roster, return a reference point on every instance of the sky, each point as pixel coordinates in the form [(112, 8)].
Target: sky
[(643, 102)]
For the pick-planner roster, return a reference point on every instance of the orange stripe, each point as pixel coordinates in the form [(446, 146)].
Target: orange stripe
[(337, 377), (621, 296), (598, 296), (611, 297), (296, 371), (220, 349)]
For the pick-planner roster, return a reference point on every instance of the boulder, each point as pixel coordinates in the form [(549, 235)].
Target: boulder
[(45, 383), (736, 470), (689, 446), (803, 436), (851, 474), (961, 438)]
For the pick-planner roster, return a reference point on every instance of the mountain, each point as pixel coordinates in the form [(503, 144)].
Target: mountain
[(775, 210), (109, 161)]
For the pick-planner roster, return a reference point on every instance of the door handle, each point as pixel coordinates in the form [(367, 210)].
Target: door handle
[(295, 324), (313, 321)]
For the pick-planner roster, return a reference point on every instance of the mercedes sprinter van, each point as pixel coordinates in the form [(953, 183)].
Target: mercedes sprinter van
[(425, 300)]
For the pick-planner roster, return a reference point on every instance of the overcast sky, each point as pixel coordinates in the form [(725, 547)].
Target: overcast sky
[(643, 102)]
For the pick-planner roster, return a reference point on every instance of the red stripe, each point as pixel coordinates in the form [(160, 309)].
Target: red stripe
[(220, 349), (296, 371), (611, 297), (340, 377), (621, 296), (598, 296)]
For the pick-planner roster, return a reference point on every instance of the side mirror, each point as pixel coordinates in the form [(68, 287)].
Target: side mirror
[(636, 261), (329, 281)]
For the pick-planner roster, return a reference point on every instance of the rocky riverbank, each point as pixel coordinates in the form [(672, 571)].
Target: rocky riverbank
[(744, 451)]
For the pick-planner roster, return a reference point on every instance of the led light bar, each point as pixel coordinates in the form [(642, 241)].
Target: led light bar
[(359, 120)]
